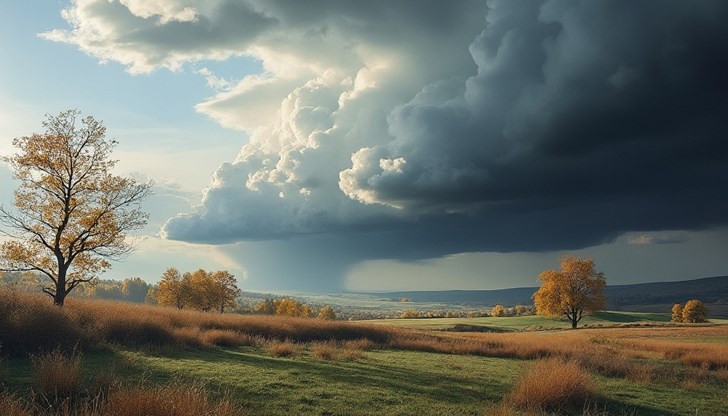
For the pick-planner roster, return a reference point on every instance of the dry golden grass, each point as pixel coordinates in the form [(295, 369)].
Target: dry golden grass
[(344, 351), (12, 406), (131, 401), (642, 354), (324, 350), (57, 374), (553, 384), (164, 401), (33, 324), (283, 349)]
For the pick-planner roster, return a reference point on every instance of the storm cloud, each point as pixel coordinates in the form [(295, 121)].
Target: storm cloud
[(417, 129)]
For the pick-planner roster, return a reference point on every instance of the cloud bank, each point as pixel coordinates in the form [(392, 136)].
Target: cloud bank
[(426, 128)]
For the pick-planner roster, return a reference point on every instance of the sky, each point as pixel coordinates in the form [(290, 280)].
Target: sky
[(335, 145)]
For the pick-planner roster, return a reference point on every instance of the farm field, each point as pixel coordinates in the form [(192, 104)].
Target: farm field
[(258, 365)]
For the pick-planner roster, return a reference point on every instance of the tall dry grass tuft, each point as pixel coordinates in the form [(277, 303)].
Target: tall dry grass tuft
[(324, 350), (552, 384), (283, 349), (57, 374), (165, 401)]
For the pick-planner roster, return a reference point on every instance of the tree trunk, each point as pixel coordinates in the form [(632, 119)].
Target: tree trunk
[(60, 296)]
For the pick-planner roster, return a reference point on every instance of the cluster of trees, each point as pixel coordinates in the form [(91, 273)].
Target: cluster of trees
[(291, 307), (201, 290), (693, 312)]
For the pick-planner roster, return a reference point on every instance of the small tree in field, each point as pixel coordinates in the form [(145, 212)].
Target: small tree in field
[(327, 314), (576, 290), (498, 310), (677, 313), (694, 312), (73, 214)]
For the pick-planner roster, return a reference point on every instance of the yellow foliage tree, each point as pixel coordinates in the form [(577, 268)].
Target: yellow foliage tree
[(498, 310), (694, 312), (225, 290), (327, 313), (290, 307), (677, 313), (73, 214), (576, 290), (171, 291)]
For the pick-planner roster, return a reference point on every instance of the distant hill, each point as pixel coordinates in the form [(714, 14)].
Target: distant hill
[(644, 297)]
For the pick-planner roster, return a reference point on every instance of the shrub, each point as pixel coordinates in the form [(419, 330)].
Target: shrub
[(498, 310), (553, 384)]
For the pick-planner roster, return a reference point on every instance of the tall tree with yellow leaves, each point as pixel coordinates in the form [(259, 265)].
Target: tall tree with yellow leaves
[(576, 290), (73, 214)]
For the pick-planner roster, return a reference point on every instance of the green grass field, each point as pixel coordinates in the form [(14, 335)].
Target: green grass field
[(381, 382), (528, 323), (644, 370)]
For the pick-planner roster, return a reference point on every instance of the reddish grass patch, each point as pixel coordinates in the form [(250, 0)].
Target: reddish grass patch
[(283, 349), (552, 384)]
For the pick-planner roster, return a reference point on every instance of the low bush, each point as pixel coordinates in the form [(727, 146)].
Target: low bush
[(552, 384)]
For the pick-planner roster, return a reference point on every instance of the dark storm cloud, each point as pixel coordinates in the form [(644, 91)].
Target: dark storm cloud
[(410, 129), (585, 120)]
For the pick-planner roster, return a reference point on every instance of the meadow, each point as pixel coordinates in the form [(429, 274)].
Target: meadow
[(106, 358)]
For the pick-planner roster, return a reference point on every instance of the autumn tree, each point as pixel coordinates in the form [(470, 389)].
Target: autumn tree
[(73, 214), (225, 291), (291, 307), (694, 312), (498, 310), (576, 290), (171, 291), (327, 313), (677, 313)]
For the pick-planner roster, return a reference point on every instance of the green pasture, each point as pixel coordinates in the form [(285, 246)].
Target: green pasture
[(528, 323), (379, 382)]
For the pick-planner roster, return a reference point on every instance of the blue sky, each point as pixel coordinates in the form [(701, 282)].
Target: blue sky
[(398, 145)]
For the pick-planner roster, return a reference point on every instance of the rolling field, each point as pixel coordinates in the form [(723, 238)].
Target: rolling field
[(527, 323), (265, 366)]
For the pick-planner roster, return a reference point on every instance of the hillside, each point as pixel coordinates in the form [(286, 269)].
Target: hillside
[(644, 297)]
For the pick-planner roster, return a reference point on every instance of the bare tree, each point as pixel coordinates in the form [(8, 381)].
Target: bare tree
[(72, 214)]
